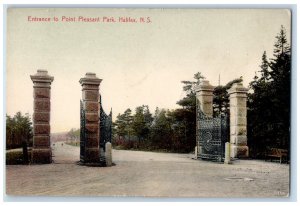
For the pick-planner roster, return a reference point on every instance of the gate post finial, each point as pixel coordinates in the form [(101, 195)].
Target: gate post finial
[(238, 120)]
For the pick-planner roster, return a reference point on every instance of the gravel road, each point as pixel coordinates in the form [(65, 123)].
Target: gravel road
[(147, 174)]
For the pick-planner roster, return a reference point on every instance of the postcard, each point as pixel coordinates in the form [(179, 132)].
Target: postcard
[(148, 102)]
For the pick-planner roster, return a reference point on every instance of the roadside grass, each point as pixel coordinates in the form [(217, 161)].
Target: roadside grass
[(15, 156)]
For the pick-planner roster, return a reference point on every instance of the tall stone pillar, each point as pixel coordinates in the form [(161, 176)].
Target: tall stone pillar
[(90, 97), (204, 95), (41, 152), (238, 121)]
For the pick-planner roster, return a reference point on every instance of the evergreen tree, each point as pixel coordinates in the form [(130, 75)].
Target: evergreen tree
[(123, 124), (185, 119), (189, 101), (221, 98), (280, 85), (269, 101), (119, 126), (259, 111), (141, 122), (161, 131)]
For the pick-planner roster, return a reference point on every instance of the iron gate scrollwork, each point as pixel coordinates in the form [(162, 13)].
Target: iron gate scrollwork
[(105, 131), (212, 133)]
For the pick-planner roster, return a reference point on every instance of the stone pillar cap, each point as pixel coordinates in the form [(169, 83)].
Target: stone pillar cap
[(204, 86), (90, 78), (237, 88), (42, 76)]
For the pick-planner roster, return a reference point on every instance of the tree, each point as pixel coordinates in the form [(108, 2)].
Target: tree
[(269, 100), (19, 133), (189, 101), (259, 111), (161, 130), (120, 125), (74, 135), (123, 124), (18, 130), (280, 73), (141, 122), (221, 98)]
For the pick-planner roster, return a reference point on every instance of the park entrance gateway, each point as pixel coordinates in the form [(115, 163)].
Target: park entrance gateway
[(95, 125), (212, 132)]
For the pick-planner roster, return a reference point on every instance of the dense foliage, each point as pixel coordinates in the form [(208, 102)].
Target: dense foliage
[(73, 136), (18, 130), (175, 130), (19, 134), (166, 130), (269, 101)]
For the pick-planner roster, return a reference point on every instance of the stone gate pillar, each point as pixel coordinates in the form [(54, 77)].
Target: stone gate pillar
[(238, 121), (90, 97), (204, 97), (41, 152)]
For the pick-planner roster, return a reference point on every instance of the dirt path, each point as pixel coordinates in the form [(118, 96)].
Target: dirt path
[(147, 174)]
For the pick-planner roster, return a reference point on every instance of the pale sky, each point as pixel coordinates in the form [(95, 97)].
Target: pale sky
[(140, 63)]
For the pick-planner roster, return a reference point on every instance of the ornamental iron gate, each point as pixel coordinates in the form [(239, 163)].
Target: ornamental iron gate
[(82, 132), (105, 130), (212, 133)]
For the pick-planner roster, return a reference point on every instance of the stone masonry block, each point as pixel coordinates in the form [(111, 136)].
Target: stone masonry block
[(41, 129), (41, 141), (92, 142), (92, 128), (92, 117), (238, 121), (41, 93), (240, 140), (41, 156), (92, 95), (91, 106), (207, 109), (239, 151), (90, 87), (238, 130), (242, 151), (41, 105), (92, 155), (238, 111), (238, 102), (241, 111), (94, 134), (41, 117)]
